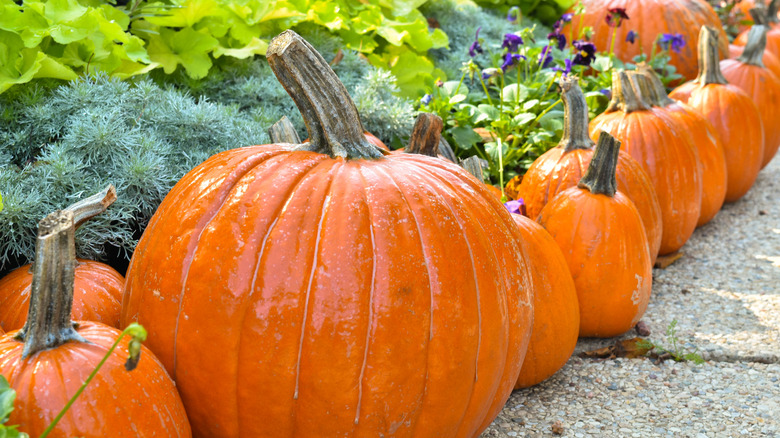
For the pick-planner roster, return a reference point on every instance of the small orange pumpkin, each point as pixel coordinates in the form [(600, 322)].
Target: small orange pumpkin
[(47, 361), (563, 166), (556, 310), (703, 137), (656, 141), (768, 17), (98, 294), (601, 235), (731, 112), (771, 61), (751, 75)]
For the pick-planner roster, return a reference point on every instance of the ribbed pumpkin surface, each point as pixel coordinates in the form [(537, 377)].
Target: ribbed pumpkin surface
[(290, 294)]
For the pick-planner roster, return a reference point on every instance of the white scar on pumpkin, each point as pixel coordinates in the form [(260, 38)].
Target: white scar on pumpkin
[(636, 295)]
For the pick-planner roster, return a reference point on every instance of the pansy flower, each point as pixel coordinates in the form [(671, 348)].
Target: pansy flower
[(631, 37), (511, 59), (426, 99), (514, 15), (616, 16), (512, 42), (567, 68), (673, 41), (607, 92), (516, 207), (560, 39), (585, 54), (567, 17), (545, 58), (490, 73), (475, 46)]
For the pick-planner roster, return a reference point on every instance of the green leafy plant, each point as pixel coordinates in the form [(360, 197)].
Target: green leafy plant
[(675, 349), (547, 11), (65, 38), (731, 17), (8, 395)]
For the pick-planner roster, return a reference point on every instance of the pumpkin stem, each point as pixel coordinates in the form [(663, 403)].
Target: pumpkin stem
[(330, 115), (51, 299), (709, 58), (760, 14), (283, 131), (600, 176), (756, 44), (641, 86), (473, 165), (771, 11), (575, 117), (445, 150), (656, 88), (426, 135), (623, 96)]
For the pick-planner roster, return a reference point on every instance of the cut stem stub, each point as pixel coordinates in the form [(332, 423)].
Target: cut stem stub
[(600, 176)]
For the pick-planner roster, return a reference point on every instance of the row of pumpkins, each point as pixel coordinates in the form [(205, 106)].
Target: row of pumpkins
[(333, 288)]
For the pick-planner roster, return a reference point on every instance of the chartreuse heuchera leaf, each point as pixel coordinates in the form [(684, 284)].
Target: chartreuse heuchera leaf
[(64, 38), (7, 397)]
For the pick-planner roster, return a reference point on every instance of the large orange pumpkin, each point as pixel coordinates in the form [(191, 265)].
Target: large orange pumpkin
[(650, 19), (657, 142), (703, 137), (602, 238), (47, 361), (731, 112), (556, 311), (97, 297), (563, 166), (751, 75), (340, 290)]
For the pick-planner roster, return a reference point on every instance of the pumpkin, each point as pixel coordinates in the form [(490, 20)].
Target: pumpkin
[(771, 61), (655, 140), (601, 235), (650, 19), (731, 112), (98, 294), (703, 137), (344, 290), (556, 311), (766, 16), (749, 74), (563, 166), (47, 361)]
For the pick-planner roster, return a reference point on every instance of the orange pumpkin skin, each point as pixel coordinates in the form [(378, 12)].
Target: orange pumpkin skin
[(97, 295), (376, 141), (764, 88), (117, 403), (670, 161), (737, 121), (651, 18), (771, 61), (556, 311), (373, 297), (555, 171), (598, 236), (712, 155)]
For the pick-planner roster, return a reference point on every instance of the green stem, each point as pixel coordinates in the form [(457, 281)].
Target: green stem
[(83, 386), (484, 87), (612, 43), (536, 120)]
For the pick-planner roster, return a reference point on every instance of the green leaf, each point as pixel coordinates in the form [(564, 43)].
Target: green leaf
[(465, 137), (515, 93), (524, 118), (190, 12), (530, 104), (487, 112), (7, 397), (186, 47), (255, 47)]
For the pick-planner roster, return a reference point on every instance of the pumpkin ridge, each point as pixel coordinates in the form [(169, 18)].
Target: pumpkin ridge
[(426, 256), (468, 242), (247, 305), (227, 186)]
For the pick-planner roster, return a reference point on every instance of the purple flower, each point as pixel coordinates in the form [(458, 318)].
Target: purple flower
[(567, 69), (514, 14), (511, 59), (607, 92), (545, 58), (560, 39), (516, 207), (616, 16), (631, 37), (586, 52), (426, 99), (475, 46), (567, 17), (673, 41), (511, 42)]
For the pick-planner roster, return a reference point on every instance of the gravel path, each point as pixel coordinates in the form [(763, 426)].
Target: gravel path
[(725, 295)]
